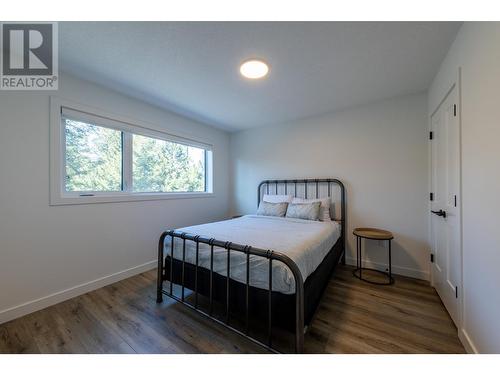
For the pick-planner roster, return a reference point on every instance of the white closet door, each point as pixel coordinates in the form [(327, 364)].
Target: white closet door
[(445, 205)]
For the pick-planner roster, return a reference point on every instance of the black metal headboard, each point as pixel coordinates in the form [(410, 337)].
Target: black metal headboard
[(307, 188)]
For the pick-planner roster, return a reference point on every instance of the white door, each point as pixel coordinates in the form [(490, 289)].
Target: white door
[(445, 203)]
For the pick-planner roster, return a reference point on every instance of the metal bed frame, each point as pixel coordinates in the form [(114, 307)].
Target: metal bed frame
[(248, 250)]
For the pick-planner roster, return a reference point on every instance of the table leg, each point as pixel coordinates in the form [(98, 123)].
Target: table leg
[(360, 259), (390, 265), (357, 252)]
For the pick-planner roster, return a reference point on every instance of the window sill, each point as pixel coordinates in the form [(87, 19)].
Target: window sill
[(116, 198)]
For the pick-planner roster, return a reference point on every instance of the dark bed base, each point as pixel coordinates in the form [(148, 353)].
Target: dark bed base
[(242, 302), (283, 312)]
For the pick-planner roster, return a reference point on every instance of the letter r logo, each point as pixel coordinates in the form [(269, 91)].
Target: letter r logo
[(27, 49)]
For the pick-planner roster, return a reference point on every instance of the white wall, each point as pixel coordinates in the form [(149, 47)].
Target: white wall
[(47, 250), (379, 151), (477, 51)]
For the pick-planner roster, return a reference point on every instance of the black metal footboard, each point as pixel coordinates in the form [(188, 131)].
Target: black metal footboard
[(229, 246)]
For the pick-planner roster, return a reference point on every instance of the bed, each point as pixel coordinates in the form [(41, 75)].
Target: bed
[(278, 266)]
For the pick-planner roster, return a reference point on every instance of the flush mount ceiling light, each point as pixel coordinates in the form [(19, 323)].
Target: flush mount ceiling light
[(254, 69)]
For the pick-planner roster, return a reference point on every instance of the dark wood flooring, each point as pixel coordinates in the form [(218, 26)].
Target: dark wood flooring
[(353, 317)]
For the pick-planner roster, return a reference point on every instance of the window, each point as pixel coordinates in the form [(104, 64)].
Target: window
[(99, 159), (93, 157), (163, 166)]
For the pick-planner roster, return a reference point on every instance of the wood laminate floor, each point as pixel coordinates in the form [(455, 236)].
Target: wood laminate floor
[(353, 317)]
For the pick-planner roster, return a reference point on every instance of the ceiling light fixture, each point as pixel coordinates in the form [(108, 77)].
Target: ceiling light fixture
[(254, 69)]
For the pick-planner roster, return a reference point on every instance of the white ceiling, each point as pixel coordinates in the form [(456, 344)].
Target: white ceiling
[(192, 68)]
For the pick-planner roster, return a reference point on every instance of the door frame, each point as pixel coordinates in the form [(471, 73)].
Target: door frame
[(456, 83)]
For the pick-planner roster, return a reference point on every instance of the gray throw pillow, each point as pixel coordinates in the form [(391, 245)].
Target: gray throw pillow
[(307, 211), (272, 209)]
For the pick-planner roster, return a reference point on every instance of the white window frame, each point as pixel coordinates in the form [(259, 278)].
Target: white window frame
[(61, 108)]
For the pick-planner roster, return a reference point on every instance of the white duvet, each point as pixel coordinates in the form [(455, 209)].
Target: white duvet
[(305, 242)]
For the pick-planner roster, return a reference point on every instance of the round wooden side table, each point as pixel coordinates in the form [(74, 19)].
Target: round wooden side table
[(371, 234)]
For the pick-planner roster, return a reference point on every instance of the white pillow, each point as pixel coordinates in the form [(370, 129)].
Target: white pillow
[(324, 210), (306, 211), (272, 209), (277, 198)]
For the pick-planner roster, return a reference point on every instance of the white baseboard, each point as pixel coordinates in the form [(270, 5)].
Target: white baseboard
[(467, 342), (398, 270), (52, 299)]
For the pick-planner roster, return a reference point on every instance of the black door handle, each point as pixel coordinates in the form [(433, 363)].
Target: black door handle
[(439, 213)]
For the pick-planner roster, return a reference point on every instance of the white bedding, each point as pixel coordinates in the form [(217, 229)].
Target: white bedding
[(305, 242)]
